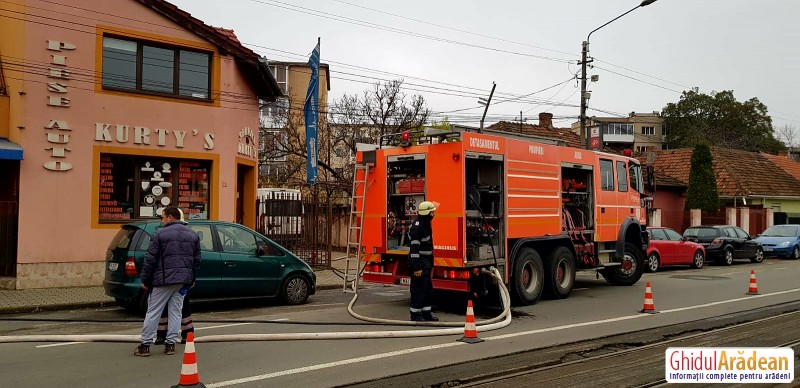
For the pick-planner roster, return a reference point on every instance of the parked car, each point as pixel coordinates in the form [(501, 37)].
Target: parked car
[(781, 241), (667, 247), (724, 243), (236, 262)]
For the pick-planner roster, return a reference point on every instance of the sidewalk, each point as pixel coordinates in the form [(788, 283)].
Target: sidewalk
[(42, 299)]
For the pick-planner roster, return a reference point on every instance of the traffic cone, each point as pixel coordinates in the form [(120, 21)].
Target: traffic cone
[(649, 306), (189, 375), (470, 331), (753, 290)]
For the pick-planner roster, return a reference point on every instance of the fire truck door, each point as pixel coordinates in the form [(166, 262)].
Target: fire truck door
[(607, 202)]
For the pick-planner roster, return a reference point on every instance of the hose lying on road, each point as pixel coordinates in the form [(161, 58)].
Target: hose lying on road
[(484, 326)]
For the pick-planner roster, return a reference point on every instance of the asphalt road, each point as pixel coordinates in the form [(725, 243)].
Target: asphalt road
[(594, 311)]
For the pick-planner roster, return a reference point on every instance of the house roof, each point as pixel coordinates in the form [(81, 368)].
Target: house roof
[(739, 173), (792, 167), (564, 134), (253, 66)]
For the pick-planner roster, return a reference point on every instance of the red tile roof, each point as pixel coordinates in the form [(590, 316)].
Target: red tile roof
[(228, 33), (565, 134), (790, 166), (739, 173)]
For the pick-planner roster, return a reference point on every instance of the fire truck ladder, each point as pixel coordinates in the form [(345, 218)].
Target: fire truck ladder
[(352, 272)]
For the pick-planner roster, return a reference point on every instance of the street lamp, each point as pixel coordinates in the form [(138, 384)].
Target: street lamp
[(584, 61)]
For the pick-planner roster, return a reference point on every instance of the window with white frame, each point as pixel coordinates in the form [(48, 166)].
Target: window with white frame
[(281, 74), (618, 129)]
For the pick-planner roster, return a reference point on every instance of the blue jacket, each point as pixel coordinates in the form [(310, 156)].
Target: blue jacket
[(173, 256)]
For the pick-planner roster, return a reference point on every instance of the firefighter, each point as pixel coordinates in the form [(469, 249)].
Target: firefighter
[(420, 262)]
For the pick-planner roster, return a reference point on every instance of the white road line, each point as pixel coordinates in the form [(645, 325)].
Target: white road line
[(325, 304), (60, 344), (279, 320), (450, 344), (221, 326)]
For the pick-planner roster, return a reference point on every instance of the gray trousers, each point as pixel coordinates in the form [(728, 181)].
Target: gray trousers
[(158, 298)]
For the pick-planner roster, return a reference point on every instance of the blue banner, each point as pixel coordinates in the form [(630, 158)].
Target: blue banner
[(311, 112)]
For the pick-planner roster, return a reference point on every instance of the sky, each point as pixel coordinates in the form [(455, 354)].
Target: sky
[(451, 52)]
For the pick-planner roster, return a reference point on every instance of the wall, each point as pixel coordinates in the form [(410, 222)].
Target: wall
[(61, 243)]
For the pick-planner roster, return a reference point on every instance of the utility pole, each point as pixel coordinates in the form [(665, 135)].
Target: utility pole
[(585, 61), (584, 97), (521, 120), (485, 102)]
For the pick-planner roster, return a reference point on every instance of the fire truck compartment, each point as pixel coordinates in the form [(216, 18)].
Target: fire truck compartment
[(577, 197), (406, 190), (484, 208)]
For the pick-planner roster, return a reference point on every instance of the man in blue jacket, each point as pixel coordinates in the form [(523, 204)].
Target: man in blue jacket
[(169, 271)]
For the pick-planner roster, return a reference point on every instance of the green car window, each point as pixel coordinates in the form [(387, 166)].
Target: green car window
[(236, 240), (204, 232)]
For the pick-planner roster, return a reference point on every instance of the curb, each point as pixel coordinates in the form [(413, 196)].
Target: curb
[(94, 304)]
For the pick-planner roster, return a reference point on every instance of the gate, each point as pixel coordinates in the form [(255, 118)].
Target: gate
[(9, 216), (299, 226)]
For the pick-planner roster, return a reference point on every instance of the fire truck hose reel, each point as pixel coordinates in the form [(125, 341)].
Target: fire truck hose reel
[(484, 326)]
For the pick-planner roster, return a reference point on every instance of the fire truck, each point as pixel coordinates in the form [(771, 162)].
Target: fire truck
[(538, 212)]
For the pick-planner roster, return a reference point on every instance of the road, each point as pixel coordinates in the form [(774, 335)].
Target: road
[(688, 300)]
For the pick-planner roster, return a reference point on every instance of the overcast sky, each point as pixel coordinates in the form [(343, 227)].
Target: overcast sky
[(748, 46)]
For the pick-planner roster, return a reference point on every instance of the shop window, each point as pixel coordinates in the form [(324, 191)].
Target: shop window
[(135, 66), (134, 187)]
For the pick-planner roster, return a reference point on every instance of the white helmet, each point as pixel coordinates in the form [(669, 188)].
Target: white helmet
[(427, 207)]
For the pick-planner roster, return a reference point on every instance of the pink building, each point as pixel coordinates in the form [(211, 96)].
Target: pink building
[(110, 111)]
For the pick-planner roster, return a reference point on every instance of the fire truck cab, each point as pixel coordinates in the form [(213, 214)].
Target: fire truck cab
[(538, 212)]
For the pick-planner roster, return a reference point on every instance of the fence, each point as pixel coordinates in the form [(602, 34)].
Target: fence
[(680, 220), (9, 216), (311, 228)]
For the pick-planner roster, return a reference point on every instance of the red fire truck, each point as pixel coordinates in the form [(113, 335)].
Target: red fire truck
[(538, 212)]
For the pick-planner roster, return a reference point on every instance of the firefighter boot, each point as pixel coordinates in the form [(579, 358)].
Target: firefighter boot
[(428, 316), (417, 317)]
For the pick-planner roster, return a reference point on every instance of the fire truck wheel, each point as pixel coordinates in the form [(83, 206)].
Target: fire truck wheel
[(631, 269), (560, 273), (528, 276)]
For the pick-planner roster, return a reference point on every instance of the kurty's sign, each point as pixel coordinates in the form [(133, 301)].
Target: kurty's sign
[(122, 133)]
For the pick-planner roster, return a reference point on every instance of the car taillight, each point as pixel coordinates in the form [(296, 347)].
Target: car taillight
[(130, 267), (716, 242)]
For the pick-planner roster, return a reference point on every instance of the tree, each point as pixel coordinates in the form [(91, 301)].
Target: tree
[(720, 120), (788, 135), (381, 110), (702, 191)]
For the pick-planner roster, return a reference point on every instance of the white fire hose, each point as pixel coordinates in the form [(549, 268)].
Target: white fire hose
[(501, 321)]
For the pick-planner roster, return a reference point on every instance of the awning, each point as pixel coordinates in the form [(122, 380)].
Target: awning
[(10, 150)]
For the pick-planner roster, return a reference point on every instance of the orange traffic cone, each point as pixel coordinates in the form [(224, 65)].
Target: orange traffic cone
[(189, 375), (649, 306), (753, 290), (470, 331)]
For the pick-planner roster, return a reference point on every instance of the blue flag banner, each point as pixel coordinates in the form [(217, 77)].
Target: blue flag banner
[(311, 113)]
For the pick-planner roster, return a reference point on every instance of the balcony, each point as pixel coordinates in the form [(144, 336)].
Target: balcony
[(618, 133)]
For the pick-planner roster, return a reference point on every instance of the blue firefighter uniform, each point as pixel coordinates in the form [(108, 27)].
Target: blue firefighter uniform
[(421, 263)]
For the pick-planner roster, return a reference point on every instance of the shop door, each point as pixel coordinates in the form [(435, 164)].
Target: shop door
[(9, 216)]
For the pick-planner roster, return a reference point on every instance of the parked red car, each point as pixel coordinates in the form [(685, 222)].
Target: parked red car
[(668, 247)]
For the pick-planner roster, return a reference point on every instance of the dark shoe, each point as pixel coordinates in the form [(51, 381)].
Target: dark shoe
[(183, 341), (169, 349), (417, 317), (159, 341), (142, 351), (426, 315)]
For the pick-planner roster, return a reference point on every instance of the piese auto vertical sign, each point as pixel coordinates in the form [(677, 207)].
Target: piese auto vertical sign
[(57, 130)]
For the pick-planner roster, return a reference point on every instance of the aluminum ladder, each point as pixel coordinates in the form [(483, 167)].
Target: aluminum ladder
[(355, 228)]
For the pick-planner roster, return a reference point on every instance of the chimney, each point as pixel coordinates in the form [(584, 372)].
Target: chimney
[(546, 120)]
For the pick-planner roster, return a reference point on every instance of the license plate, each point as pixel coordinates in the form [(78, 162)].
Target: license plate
[(767, 249), (113, 266), (405, 281)]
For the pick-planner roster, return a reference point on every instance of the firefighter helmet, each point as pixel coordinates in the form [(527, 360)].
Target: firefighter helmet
[(427, 207)]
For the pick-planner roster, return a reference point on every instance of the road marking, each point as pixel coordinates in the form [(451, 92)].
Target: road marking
[(389, 294), (450, 344), (221, 326), (279, 320), (327, 304), (60, 344)]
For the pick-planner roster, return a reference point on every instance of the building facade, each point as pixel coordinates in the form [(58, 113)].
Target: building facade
[(120, 109), (640, 132)]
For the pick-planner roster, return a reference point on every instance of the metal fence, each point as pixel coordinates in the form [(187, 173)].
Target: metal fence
[(9, 216), (313, 233)]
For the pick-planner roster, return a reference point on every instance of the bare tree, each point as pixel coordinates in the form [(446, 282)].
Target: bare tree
[(788, 135), (381, 110)]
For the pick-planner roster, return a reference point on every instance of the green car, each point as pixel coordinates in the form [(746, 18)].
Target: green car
[(236, 262)]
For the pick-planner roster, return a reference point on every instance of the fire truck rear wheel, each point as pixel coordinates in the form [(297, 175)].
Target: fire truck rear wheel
[(560, 273), (631, 269), (528, 276)]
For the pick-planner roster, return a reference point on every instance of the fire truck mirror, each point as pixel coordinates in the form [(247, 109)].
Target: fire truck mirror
[(650, 184)]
